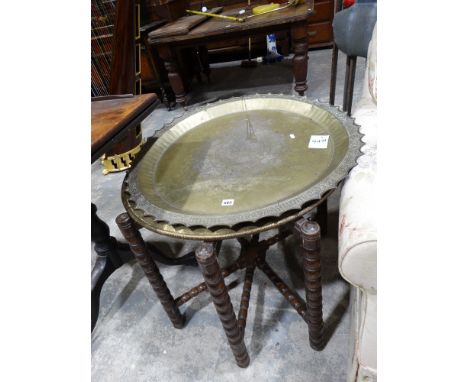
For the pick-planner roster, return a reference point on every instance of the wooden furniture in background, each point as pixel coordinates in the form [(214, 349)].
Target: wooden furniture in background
[(168, 10), (319, 31), (155, 14), (110, 43), (183, 25), (153, 75), (193, 61), (115, 48), (292, 19), (111, 118), (116, 67)]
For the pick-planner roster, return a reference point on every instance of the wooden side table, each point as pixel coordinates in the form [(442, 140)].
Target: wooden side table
[(111, 119), (293, 19)]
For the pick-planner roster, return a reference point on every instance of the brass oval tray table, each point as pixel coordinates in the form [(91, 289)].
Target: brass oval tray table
[(233, 169)]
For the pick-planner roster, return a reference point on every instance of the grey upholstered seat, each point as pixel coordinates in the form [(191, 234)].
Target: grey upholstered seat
[(352, 31), (352, 28)]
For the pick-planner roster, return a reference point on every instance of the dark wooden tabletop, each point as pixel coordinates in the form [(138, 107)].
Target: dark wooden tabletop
[(112, 117), (215, 26)]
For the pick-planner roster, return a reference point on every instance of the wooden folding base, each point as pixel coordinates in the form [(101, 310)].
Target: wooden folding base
[(252, 256)]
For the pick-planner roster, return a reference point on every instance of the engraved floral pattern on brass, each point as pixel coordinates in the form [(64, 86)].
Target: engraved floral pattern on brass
[(242, 160), (214, 233)]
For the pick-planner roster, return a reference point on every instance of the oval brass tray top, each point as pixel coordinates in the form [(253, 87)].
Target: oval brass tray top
[(242, 160)]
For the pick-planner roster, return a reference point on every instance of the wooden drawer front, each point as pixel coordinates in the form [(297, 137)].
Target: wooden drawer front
[(241, 41), (320, 33), (324, 12)]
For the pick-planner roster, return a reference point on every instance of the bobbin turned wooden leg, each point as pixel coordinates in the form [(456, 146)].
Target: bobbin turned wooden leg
[(211, 271), (310, 244), (300, 47), (138, 247)]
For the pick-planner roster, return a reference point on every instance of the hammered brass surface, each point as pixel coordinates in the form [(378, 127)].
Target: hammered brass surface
[(243, 160), (251, 153)]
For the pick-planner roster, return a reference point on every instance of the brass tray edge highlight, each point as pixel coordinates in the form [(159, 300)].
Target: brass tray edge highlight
[(217, 233), (138, 201)]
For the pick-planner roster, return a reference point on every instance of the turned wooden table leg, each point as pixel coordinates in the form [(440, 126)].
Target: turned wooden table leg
[(177, 85), (300, 48), (138, 247), (310, 238), (211, 271)]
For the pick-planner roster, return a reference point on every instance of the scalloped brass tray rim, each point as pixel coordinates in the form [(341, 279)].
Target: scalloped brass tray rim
[(221, 233), (132, 194)]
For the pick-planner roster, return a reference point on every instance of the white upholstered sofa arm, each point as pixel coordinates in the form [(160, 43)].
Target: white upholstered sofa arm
[(357, 235)]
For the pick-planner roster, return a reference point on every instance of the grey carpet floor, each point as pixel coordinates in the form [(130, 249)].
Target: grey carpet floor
[(135, 342)]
